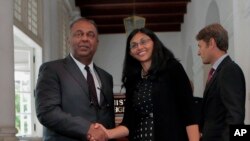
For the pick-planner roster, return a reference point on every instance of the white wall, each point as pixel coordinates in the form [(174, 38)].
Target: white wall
[(242, 43), (172, 40), (199, 14), (110, 54)]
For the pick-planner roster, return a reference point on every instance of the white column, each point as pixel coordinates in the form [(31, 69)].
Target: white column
[(7, 93), (241, 43)]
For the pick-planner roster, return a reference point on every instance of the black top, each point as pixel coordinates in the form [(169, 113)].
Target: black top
[(142, 103), (172, 100)]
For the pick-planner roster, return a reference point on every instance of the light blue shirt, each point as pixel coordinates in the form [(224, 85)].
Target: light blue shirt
[(217, 63)]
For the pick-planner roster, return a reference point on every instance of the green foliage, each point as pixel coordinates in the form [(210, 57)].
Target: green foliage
[(17, 109)]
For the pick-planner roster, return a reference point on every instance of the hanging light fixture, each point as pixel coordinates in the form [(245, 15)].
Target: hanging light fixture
[(133, 22)]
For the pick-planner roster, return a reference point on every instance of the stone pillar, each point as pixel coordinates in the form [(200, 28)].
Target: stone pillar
[(241, 45), (7, 93)]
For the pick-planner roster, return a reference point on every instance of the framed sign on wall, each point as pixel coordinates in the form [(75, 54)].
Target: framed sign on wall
[(119, 101)]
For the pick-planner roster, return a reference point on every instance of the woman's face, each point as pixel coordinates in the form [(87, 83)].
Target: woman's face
[(141, 47)]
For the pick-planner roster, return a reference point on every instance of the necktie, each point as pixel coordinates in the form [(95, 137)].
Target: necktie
[(210, 74), (91, 86)]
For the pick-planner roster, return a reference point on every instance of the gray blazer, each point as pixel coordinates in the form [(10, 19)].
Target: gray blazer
[(224, 101), (63, 104)]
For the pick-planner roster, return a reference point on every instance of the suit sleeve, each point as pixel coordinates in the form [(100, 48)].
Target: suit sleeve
[(129, 115), (233, 93), (184, 94), (48, 106)]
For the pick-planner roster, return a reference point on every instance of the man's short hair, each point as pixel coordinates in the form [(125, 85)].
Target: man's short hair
[(217, 32), (79, 18)]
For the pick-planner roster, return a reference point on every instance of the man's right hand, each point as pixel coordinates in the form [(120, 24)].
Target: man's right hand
[(96, 134)]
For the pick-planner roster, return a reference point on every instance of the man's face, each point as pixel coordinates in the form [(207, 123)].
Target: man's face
[(83, 40), (204, 51)]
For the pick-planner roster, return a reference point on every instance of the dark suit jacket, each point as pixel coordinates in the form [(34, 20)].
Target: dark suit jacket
[(224, 101), (62, 101), (172, 104)]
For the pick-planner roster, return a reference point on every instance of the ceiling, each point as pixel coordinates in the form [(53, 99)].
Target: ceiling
[(161, 15)]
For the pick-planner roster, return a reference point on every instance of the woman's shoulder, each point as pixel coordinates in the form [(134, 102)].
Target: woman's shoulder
[(171, 64), (171, 68)]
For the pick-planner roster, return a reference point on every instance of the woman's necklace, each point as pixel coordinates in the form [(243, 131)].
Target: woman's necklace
[(144, 74)]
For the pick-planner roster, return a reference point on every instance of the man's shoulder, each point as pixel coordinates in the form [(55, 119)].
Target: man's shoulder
[(54, 61), (230, 67), (53, 64), (230, 64)]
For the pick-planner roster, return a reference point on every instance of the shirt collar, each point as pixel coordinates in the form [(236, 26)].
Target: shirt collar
[(81, 65), (217, 63)]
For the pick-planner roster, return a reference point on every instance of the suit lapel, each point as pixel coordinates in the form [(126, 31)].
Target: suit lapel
[(209, 86), (102, 84), (215, 75), (210, 83), (76, 73)]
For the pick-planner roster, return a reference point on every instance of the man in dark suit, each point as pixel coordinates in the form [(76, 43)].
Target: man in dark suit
[(64, 103), (225, 92)]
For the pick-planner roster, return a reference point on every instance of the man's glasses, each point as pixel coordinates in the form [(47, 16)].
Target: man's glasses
[(143, 42)]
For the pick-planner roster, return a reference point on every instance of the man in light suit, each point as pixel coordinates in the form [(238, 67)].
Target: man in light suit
[(63, 102), (225, 92)]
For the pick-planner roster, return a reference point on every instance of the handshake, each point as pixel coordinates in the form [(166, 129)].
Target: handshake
[(97, 132)]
